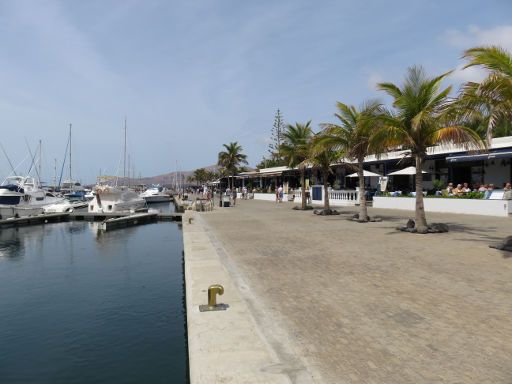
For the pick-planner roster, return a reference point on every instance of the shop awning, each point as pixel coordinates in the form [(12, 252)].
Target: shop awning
[(270, 174), (406, 171), (482, 156), (365, 174)]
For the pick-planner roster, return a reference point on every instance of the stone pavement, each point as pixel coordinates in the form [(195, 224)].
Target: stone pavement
[(364, 303)]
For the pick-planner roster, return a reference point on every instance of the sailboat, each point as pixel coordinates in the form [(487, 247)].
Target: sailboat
[(22, 196), (111, 198), (70, 188)]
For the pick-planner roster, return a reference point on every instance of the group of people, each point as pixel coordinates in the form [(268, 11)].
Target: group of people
[(487, 189), (232, 193)]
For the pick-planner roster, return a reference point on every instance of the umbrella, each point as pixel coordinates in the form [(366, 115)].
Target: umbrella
[(365, 174), (410, 171)]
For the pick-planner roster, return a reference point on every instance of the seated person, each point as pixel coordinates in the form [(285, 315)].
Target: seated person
[(488, 193), (482, 188), (465, 188), (449, 189), (457, 191), (507, 194)]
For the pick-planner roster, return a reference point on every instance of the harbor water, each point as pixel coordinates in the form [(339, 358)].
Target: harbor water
[(81, 306)]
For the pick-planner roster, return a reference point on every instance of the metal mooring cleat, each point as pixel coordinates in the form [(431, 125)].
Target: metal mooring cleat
[(212, 305)]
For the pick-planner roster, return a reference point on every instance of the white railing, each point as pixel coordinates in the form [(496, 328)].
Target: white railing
[(344, 195), (336, 197)]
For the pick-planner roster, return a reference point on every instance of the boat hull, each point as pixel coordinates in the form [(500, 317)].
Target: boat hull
[(12, 211), (157, 199), (115, 200), (66, 207)]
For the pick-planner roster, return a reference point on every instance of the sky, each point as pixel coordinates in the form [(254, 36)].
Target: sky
[(190, 76)]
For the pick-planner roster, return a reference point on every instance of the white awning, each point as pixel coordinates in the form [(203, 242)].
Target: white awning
[(406, 171), (365, 174)]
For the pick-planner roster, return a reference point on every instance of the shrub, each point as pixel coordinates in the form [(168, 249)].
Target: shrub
[(438, 184)]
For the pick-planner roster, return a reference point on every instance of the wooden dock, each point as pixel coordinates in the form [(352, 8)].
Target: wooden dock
[(175, 216), (86, 216), (33, 220), (93, 216), (128, 221)]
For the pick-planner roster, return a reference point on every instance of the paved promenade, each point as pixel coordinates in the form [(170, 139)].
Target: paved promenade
[(364, 303)]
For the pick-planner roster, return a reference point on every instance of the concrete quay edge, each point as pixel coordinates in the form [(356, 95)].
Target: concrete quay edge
[(223, 346)]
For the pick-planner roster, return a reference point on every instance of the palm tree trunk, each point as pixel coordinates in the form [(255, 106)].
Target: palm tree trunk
[(303, 187), (421, 220), (363, 210), (325, 175), (488, 132)]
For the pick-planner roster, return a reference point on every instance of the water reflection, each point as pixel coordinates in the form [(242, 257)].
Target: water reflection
[(82, 307), (10, 243)]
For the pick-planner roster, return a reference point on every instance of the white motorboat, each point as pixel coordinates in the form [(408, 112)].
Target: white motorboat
[(72, 187), (67, 205), (113, 199), (21, 196), (156, 194), (89, 194)]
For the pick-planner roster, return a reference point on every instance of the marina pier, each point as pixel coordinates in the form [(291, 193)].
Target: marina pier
[(113, 219)]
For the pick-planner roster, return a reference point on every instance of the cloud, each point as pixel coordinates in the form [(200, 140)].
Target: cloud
[(473, 36), (373, 79), (473, 74)]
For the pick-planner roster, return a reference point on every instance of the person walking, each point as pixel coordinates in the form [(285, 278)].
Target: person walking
[(234, 197), (280, 194)]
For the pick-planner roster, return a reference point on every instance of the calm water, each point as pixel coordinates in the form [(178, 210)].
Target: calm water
[(78, 307)]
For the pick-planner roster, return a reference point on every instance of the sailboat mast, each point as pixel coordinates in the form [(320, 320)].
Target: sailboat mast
[(40, 158), (54, 174), (128, 170), (69, 152), (124, 162)]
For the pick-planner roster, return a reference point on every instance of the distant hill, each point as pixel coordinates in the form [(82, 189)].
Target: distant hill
[(170, 178), (167, 179)]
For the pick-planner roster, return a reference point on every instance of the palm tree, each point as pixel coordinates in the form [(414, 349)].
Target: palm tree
[(200, 175), (322, 157), (231, 158), (488, 102), (421, 118), (295, 149), (352, 137)]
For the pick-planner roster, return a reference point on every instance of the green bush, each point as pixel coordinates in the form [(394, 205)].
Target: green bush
[(438, 184)]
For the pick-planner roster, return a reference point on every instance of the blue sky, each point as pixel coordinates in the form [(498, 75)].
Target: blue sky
[(192, 75)]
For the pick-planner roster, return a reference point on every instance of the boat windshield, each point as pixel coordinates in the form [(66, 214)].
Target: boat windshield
[(13, 180)]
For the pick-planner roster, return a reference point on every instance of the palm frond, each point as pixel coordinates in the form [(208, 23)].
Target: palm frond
[(493, 58), (457, 134), (391, 89)]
